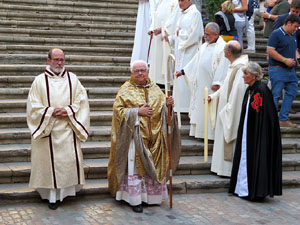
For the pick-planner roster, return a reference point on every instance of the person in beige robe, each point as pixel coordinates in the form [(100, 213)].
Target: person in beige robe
[(58, 119), (139, 155), (160, 50), (225, 109), (186, 42), (207, 69), (141, 42)]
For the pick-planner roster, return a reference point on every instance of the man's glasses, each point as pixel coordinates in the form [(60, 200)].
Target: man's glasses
[(58, 60)]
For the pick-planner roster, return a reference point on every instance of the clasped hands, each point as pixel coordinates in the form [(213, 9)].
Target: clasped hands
[(146, 110), (60, 113)]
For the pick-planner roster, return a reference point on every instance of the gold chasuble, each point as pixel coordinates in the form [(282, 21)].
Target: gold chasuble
[(150, 136), (56, 157)]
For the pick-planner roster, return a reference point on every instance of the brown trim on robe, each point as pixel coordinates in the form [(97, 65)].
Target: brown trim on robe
[(52, 161), (70, 86), (63, 74), (48, 91), (42, 120), (50, 73), (76, 154), (50, 138), (78, 121)]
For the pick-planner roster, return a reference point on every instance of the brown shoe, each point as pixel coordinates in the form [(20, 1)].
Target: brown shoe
[(287, 123)]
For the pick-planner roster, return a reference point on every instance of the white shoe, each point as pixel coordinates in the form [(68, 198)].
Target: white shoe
[(249, 50)]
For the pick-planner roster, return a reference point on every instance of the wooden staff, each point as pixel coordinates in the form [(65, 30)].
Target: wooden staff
[(171, 70), (149, 47)]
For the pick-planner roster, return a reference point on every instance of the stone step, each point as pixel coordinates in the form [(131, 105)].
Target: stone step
[(72, 8), (102, 133), (42, 49), (63, 34), (64, 22), (97, 150), (75, 4), (19, 105), (97, 118), (97, 168), (92, 81), (66, 42), (70, 59), (181, 185), (97, 133), (20, 70), (21, 93), (13, 153), (13, 111)]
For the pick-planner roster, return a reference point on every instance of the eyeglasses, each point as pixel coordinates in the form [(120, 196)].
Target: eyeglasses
[(140, 70), (58, 60)]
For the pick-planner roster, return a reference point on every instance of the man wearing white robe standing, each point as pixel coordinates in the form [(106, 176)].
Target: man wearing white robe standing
[(225, 109), (160, 52), (207, 69), (58, 119), (143, 21), (186, 42)]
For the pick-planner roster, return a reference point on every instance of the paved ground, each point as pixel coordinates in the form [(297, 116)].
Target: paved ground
[(218, 208)]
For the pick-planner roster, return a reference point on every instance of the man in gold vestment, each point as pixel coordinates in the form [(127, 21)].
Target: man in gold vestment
[(139, 155), (58, 117)]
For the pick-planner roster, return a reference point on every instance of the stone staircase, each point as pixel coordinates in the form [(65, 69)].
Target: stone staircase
[(97, 37)]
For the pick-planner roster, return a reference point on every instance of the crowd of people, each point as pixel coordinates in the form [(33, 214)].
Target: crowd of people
[(243, 118)]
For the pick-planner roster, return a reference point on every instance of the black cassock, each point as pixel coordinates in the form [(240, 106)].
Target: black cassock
[(264, 149)]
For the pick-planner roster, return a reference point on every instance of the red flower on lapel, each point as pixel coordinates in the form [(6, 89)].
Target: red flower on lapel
[(257, 102)]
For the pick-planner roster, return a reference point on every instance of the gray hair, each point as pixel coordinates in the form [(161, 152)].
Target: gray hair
[(214, 26), (254, 69), (138, 61)]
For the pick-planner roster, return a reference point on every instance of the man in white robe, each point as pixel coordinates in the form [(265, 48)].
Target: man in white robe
[(225, 109), (207, 69), (143, 21), (160, 51), (186, 42), (58, 119)]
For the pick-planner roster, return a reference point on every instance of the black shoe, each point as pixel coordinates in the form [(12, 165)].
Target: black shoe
[(53, 206), (137, 208)]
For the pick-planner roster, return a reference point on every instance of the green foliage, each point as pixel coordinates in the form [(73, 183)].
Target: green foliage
[(213, 6)]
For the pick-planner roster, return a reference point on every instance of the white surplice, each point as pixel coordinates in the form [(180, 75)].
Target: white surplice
[(159, 55), (190, 32), (146, 9), (224, 112), (208, 67), (56, 157)]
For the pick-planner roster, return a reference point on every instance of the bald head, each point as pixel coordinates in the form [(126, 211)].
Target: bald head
[(235, 48), (56, 51)]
